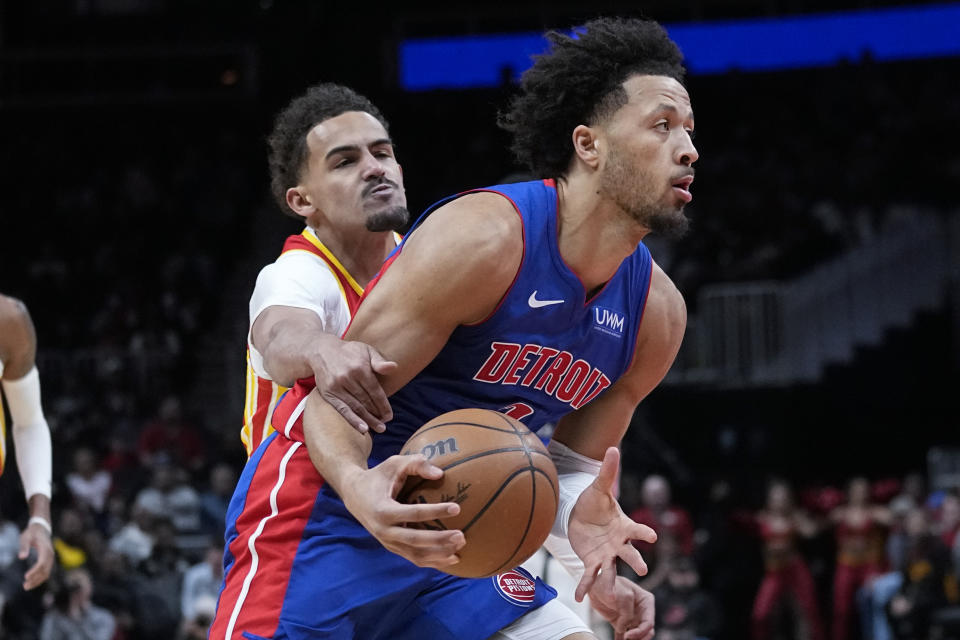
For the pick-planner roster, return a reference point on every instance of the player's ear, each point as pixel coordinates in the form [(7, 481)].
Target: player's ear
[(586, 144), (299, 202)]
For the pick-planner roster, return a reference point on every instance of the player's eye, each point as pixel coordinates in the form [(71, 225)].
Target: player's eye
[(343, 163), (663, 125)]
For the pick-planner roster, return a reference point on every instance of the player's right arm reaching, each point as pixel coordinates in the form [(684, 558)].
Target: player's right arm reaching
[(454, 270)]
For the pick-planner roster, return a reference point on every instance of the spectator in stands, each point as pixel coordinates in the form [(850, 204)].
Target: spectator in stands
[(780, 524), (135, 539), (684, 610), (926, 582), (170, 496), (69, 543), (74, 616), (88, 484), (948, 518), (657, 512), (859, 528), (202, 580), (214, 501), (170, 434)]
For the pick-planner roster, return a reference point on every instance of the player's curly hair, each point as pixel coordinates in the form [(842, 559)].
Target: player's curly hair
[(288, 140), (579, 81)]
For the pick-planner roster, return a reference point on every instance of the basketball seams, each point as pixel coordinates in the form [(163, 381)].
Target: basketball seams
[(488, 452)]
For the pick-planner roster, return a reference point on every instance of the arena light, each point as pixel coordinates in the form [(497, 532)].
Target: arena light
[(709, 47)]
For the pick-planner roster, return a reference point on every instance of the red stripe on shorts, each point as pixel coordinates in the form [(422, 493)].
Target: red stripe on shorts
[(256, 584)]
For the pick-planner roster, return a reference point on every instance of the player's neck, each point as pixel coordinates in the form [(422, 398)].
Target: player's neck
[(361, 253), (594, 236)]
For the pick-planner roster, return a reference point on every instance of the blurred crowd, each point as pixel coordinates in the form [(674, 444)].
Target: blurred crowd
[(870, 561), (138, 533)]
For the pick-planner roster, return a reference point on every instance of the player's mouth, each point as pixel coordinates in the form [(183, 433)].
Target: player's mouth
[(681, 187), (382, 189)]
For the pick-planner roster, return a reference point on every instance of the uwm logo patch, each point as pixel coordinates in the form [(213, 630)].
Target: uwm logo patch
[(515, 587), (608, 321)]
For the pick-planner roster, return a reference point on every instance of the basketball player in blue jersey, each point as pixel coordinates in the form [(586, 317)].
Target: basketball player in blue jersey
[(31, 436), (537, 299)]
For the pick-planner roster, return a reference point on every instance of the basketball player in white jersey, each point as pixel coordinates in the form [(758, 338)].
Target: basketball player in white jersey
[(332, 166), (31, 436)]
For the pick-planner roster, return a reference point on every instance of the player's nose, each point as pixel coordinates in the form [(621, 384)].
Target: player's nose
[(372, 168), (687, 153)]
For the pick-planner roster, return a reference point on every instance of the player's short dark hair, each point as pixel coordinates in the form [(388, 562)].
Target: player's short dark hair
[(288, 140), (579, 81)]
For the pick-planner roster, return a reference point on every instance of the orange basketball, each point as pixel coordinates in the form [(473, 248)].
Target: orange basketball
[(501, 476)]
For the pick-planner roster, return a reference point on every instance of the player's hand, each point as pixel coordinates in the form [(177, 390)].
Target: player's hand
[(630, 612), (36, 537), (346, 378), (370, 495), (600, 532)]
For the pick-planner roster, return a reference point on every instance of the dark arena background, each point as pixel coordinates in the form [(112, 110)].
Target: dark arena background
[(821, 273)]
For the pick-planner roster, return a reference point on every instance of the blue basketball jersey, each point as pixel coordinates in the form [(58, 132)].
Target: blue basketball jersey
[(545, 351)]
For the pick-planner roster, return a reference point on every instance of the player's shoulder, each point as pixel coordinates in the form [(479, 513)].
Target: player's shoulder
[(483, 222), (298, 266), (665, 312), (13, 311)]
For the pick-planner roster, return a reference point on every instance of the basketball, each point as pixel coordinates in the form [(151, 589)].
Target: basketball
[(502, 477)]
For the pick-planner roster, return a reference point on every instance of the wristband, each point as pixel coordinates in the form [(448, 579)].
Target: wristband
[(43, 522)]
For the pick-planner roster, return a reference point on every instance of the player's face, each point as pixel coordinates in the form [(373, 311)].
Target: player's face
[(352, 175), (650, 159)]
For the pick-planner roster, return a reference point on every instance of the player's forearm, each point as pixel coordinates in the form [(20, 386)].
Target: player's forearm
[(291, 349), (337, 450)]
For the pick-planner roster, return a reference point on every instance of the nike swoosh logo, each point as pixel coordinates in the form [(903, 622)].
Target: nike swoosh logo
[(536, 304)]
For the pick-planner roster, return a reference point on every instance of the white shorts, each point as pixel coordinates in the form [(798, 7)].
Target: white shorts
[(552, 621)]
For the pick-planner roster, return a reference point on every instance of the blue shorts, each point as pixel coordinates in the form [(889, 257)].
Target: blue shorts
[(298, 565)]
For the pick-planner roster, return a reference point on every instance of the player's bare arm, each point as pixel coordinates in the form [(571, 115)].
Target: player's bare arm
[(295, 345), (18, 347), (454, 270), (18, 339), (599, 531)]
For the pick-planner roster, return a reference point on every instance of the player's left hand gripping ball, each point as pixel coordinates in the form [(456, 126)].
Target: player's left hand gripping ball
[(600, 532)]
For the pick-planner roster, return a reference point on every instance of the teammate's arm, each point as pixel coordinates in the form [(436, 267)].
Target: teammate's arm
[(31, 436), (295, 344), (453, 270), (598, 530)]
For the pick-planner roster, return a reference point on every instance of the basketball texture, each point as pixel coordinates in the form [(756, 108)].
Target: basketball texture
[(501, 476)]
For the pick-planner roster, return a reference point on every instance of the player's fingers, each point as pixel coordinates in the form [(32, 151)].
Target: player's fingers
[(380, 364), (423, 512), (418, 465), (352, 390), (40, 571), (25, 540), (608, 470), (637, 531), (426, 548), (347, 412), (586, 581), (606, 579), (630, 555), (375, 398)]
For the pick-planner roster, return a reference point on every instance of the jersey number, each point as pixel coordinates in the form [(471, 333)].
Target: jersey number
[(517, 410)]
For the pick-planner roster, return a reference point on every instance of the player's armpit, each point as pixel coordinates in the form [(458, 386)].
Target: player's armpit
[(454, 269), (603, 422)]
